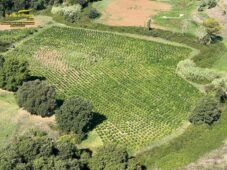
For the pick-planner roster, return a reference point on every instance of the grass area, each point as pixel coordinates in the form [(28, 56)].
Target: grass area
[(12, 36), (171, 19), (130, 81), (195, 142), (221, 64), (8, 110)]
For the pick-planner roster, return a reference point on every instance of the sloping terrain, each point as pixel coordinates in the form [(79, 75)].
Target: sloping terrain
[(131, 82)]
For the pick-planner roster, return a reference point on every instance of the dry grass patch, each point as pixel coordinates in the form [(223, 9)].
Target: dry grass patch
[(131, 12)]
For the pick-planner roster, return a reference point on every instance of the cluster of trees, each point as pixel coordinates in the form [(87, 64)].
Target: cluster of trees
[(9, 6), (12, 73), (212, 28), (37, 151), (206, 111), (75, 117), (207, 3)]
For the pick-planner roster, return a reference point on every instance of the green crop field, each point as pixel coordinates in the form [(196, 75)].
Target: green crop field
[(12, 36), (131, 81)]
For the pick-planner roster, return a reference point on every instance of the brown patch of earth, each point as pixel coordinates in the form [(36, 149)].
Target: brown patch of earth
[(26, 121), (131, 12), (218, 14), (39, 22), (216, 159)]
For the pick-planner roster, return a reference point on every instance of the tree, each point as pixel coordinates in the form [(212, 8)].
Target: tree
[(36, 150), (206, 111), (75, 115), (113, 157), (12, 73), (212, 28), (37, 98)]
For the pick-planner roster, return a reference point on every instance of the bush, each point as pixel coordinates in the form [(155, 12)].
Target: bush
[(187, 68), (38, 151), (37, 98), (206, 111), (12, 73), (75, 115), (111, 157), (71, 13), (93, 14)]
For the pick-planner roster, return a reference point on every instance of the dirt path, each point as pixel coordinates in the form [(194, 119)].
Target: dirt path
[(130, 12), (217, 159)]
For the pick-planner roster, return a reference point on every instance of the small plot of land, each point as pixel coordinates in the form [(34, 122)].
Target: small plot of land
[(15, 121), (132, 82), (39, 21), (129, 12)]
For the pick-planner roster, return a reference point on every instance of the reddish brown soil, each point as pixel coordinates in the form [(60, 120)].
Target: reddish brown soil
[(131, 12)]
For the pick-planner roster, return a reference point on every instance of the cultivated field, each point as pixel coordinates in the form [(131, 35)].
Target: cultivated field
[(132, 82)]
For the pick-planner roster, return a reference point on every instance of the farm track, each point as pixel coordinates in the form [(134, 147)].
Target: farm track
[(71, 79)]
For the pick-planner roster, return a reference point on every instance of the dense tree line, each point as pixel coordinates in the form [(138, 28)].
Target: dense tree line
[(36, 150), (8, 6)]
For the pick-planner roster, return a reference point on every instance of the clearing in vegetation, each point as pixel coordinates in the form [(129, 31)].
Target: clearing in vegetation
[(15, 121), (129, 12), (132, 82)]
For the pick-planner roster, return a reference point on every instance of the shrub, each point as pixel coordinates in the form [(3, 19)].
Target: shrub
[(38, 151), (37, 98), (75, 115), (113, 157), (12, 73), (93, 14), (206, 111), (187, 68), (71, 13), (212, 3)]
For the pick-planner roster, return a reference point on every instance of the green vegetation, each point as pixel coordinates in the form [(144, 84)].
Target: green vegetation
[(135, 87), (179, 17), (196, 141), (112, 157), (213, 28), (10, 37), (38, 151), (75, 115), (8, 110), (37, 98), (12, 73), (206, 111)]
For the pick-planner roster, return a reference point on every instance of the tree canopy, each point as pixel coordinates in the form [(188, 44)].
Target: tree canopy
[(12, 73), (206, 111), (75, 115), (113, 157), (37, 98), (37, 151)]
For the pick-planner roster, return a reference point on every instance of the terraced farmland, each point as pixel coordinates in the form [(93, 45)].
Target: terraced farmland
[(130, 81)]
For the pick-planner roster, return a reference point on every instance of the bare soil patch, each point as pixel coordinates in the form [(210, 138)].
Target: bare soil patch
[(131, 12), (26, 121), (39, 22)]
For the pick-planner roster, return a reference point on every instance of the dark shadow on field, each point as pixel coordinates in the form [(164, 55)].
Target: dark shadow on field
[(59, 102), (96, 120), (216, 39), (32, 78)]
